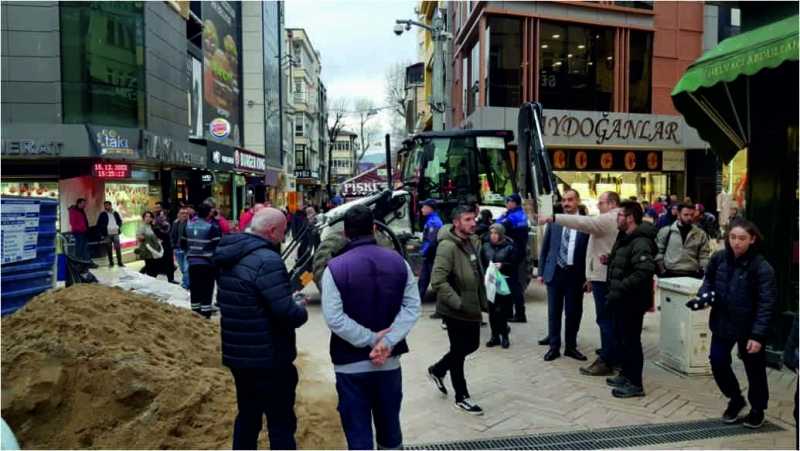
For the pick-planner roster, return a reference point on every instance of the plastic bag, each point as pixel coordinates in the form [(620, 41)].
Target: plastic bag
[(502, 283), (490, 280)]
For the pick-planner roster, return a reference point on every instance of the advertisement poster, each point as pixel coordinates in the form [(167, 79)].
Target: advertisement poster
[(221, 71), (20, 231), (196, 111)]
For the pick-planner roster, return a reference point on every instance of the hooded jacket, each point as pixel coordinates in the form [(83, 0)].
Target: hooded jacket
[(459, 289), (258, 314), (504, 252), (631, 267)]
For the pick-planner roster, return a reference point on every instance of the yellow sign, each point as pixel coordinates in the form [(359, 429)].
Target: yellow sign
[(181, 7), (306, 278)]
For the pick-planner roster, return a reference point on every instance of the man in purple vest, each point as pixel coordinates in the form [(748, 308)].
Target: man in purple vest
[(370, 302)]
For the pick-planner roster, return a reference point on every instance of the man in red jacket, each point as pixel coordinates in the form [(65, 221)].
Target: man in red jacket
[(79, 226)]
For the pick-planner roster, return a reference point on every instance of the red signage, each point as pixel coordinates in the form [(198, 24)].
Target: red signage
[(111, 171)]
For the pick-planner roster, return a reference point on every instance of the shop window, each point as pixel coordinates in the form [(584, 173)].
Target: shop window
[(637, 5), (640, 76), (102, 63), (504, 62), (130, 200), (576, 67)]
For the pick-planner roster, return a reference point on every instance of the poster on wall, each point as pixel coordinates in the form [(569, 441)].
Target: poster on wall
[(20, 231), (221, 71), (196, 112)]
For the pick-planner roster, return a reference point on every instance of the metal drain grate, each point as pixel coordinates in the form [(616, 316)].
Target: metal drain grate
[(612, 438)]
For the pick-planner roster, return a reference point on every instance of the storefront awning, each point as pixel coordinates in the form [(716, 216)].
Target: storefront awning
[(714, 93)]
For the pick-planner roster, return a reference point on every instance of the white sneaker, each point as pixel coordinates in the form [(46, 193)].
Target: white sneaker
[(468, 406)]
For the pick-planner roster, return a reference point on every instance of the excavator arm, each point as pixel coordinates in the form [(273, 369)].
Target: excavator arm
[(535, 179)]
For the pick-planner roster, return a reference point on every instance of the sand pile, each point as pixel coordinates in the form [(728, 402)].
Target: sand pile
[(98, 367)]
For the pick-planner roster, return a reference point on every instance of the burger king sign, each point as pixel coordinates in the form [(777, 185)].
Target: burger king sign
[(219, 128)]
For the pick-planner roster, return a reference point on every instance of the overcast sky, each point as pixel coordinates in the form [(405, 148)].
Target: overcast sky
[(356, 42)]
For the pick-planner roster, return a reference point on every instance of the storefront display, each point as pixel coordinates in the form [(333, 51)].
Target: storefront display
[(131, 201), (590, 185), (222, 193), (33, 189)]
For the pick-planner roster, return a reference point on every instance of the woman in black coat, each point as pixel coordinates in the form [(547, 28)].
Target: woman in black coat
[(166, 264), (503, 253), (742, 291)]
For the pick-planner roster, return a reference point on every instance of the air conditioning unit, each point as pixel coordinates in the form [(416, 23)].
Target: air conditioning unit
[(685, 337)]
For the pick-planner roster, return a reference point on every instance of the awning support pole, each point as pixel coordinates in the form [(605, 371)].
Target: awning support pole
[(716, 119), (735, 112)]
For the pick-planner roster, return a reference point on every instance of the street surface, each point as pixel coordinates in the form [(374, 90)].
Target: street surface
[(522, 394)]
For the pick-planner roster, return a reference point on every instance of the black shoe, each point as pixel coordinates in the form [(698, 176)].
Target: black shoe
[(508, 329), (518, 319), (552, 355), (484, 324), (735, 407), (597, 351), (754, 419), (111, 265), (468, 406), (121, 265), (494, 341), (575, 354), (437, 381), (435, 315), (617, 381), (504, 342), (544, 341), (628, 391)]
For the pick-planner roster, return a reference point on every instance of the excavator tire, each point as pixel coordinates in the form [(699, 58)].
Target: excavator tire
[(331, 244)]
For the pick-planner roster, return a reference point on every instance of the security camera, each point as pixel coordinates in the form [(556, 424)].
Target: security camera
[(398, 29)]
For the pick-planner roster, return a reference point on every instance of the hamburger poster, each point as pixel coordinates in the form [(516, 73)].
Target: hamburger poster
[(221, 78)]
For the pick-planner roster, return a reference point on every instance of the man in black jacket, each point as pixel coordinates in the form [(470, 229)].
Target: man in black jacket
[(109, 224), (259, 318)]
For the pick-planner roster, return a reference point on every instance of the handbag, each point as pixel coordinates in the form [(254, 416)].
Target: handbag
[(156, 253)]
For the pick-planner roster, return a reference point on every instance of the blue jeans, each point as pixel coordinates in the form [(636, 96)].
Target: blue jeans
[(369, 397), (82, 245), (755, 366), (609, 352), (183, 265), (269, 392)]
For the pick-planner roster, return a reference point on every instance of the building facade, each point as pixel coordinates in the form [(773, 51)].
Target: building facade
[(342, 158), (603, 72), (418, 111), (303, 75)]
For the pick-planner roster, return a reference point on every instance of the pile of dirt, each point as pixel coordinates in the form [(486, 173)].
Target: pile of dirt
[(98, 367)]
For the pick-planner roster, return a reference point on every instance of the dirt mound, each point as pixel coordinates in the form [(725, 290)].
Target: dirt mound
[(98, 367)]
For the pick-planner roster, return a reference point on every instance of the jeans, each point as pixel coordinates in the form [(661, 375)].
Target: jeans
[(755, 366), (269, 392), (183, 266), (113, 241), (464, 337), (82, 245), (369, 397), (564, 293), (201, 291), (609, 351), (498, 321), (628, 322)]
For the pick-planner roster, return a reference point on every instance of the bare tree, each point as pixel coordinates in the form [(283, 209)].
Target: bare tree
[(364, 111), (336, 116), (394, 89)]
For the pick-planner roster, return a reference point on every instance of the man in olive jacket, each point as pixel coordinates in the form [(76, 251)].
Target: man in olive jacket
[(457, 278), (630, 287)]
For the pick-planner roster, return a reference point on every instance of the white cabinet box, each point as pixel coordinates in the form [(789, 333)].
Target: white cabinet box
[(685, 337)]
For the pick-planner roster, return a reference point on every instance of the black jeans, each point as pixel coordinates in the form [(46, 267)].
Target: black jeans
[(201, 289), (364, 398), (464, 337), (269, 392), (755, 366), (628, 322), (517, 290), (498, 319), (564, 294)]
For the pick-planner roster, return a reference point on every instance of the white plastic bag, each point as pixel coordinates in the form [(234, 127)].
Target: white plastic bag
[(490, 280)]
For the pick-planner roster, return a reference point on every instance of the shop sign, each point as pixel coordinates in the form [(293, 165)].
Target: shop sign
[(606, 160), (164, 149), (220, 157), (248, 161), (222, 69), (111, 170), (219, 128), (359, 189), (207, 177), (30, 147), (302, 173), (115, 142)]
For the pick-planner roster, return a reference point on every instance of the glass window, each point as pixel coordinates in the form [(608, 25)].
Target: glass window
[(504, 62), (102, 63), (130, 200), (729, 22), (299, 155), (640, 76), (576, 67), (637, 5), (299, 125)]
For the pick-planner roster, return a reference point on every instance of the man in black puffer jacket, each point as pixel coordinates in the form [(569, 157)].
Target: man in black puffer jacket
[(259, 318), (630, 289)]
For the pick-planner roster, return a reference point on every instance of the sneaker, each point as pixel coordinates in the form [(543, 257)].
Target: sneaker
[(628, 391), (437, 381), (444, 325), (435, 315), (735, 407), (754, 419), (468, 406), (617, 381), (597, 368)]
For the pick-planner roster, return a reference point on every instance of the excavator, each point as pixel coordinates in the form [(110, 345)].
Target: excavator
[(452, 167)]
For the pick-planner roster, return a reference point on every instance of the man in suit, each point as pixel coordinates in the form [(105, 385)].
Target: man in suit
[(562, 266)]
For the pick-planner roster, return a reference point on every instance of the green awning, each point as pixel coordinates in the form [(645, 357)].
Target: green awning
[(713, 94)]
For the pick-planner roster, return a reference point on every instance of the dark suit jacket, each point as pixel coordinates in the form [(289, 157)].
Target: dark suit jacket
[(549, 253)]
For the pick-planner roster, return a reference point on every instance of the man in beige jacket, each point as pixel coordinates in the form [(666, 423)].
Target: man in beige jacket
[(602, 230)]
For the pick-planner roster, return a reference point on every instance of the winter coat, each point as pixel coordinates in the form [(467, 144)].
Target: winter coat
[(459, 289), (145, 235), (745, 295), (504, 252), (78, 222), (102, 223), (790, 353), (602, 230), (683, 256), (631, 268), (258, 314)]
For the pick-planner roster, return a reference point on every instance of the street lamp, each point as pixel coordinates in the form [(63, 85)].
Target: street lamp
[(438, 36)]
